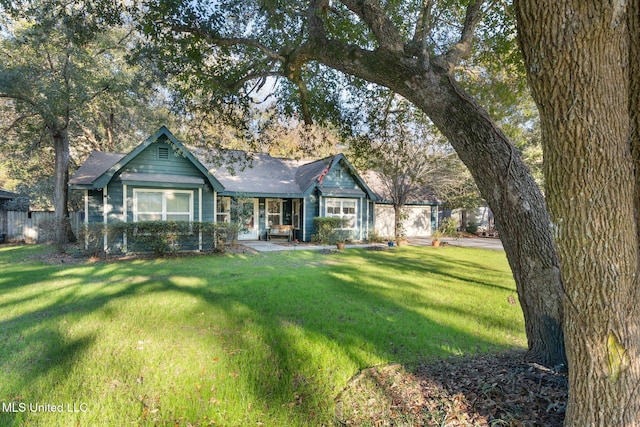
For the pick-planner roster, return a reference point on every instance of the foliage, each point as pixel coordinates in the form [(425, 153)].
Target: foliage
[(53, 227), (241, 212), (160, 237), (329, 230), (20, 204), (472, 227), (64, 75), (448, 227), (267, 340), (374, 237)]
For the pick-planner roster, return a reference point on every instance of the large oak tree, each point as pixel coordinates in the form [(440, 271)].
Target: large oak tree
[(66, 89), (415, 48), (583, 65)]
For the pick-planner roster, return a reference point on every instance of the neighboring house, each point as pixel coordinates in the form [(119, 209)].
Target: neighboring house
[(6, 196), (420, 212), (161, 179)]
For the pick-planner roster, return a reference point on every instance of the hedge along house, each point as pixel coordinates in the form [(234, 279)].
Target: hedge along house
[(161, 180)]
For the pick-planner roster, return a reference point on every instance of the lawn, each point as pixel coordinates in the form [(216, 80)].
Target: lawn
[(234, 340)]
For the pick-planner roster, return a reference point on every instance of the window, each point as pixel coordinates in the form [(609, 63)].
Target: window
[(296, 214), (162, 205), (345, 209), (223, 209), (274, 212)]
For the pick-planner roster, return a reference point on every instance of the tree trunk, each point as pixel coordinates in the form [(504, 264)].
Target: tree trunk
[(63, 232), (503, 179), (577, 58), (397, 221)]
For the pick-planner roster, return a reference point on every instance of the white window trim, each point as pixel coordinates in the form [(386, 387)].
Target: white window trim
[(226, 213), (164, 201), (267, 214), (341, 200)]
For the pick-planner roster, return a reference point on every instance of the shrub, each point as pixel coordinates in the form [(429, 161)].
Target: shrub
[(374, 237), (56, 231), (325, 227), (448, 227), (20, 204), (160, 237), (329, 230)]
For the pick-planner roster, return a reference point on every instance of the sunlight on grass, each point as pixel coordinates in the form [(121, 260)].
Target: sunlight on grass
[(235, 340)]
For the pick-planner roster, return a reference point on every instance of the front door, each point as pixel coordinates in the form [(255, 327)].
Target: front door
[(249, 220)]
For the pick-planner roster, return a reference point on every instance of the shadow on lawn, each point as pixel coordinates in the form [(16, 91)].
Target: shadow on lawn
[(282, 310)]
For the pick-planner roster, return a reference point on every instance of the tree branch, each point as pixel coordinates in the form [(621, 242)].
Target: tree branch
[(230, 41), (423, 27), (253, 76), (378, 22), (462, 49)]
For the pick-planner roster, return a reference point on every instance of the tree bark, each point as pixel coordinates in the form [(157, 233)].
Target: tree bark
[(502, 178), (63, 232), (577, 58)]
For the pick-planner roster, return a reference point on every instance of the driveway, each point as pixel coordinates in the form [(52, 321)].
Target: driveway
[(473, 242)]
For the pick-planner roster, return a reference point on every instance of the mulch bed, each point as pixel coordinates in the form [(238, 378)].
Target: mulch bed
[(75, 255), (485, 390)]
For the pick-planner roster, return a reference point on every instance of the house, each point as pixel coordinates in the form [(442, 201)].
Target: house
[(420, 213), (161, 179)]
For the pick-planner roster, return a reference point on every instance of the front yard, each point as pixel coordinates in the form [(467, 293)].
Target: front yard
[(246, 340)]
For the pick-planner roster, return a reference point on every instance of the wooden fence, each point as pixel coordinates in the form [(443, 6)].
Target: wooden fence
[(25, 226)]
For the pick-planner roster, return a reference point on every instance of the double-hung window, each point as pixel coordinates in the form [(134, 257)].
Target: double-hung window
[(162, 205), (274, 212), (345, 209), (223, 209)]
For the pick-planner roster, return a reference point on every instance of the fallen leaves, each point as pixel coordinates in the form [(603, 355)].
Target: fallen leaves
[(484, 390)]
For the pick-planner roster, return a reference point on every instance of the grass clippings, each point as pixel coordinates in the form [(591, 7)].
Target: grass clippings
[(484, 390)]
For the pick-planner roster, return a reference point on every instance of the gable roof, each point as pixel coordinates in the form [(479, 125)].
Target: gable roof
[(232, 173), (100, 167), (96, 164), (262, 175), (422, 196), (255, 173)]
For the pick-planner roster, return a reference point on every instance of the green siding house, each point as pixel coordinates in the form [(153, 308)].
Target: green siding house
[(162, 180)]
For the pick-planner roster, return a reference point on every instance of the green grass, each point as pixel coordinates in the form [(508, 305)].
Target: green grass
[(236, 339)]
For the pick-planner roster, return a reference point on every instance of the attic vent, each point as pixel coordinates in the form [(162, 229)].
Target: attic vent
[(163, 153)]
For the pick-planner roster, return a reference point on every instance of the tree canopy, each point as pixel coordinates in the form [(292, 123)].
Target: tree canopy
[(328, 59), (66, 89)]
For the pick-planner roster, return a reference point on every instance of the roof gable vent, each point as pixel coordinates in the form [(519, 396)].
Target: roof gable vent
[(163, 153)]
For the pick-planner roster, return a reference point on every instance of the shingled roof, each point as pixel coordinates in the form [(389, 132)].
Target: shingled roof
[(235, 172), (96, 164), (423, 196)]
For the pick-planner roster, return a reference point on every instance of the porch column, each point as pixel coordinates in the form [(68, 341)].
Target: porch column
[(105, 218), (125, 214), (200, 218), (86, 220)]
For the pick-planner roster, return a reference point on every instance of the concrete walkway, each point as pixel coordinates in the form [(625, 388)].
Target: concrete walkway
[(473, 242), (271, 246)]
